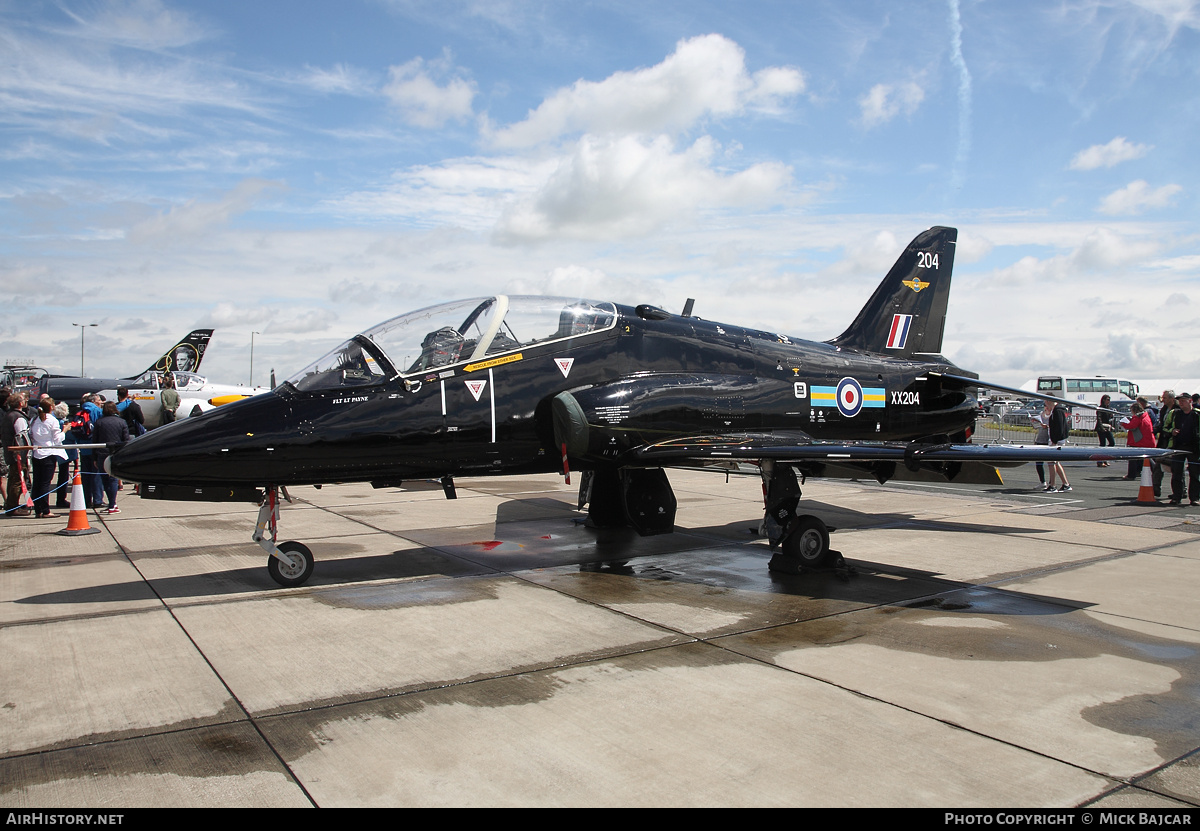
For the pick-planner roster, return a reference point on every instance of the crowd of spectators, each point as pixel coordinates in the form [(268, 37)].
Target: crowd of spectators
[(1173, 422), (1177, 426), (50, 431)]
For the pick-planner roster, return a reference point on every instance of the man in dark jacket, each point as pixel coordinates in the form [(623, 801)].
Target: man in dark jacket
[(12, 423), (1162, 433), (1186, 436), (131, 411), (4, 393), (112, 431)]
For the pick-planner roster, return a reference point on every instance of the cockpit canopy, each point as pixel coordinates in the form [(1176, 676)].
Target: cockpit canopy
[(453, 333), (155, 379)]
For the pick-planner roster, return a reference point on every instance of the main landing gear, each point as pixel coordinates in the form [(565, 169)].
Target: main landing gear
[(799, 541), (291, 563)]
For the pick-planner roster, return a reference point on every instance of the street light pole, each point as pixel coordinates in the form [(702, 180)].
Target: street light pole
[(252, 334), (82, 327)]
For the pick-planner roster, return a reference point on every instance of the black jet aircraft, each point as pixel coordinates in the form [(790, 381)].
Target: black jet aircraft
[(184, 356), (513, 385)]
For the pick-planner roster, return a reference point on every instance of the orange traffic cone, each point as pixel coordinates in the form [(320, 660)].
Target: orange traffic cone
[(1146, 489), (77, 522)]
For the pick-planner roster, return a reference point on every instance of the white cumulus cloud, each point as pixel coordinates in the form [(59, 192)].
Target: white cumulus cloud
[(600, 160), (225, 315), (1116, 151), (425, 103), (629, 186), (704, 76), (886, 101), (1133, 351), (1137, 197), (1101, 250), (869, 255)]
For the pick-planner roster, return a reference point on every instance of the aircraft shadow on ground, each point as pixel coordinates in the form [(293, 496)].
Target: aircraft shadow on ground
[(849, 519), (616, 551), (400, 564), (874, 584)]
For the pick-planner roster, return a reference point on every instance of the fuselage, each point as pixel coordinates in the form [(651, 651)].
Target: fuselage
[(640, 376)]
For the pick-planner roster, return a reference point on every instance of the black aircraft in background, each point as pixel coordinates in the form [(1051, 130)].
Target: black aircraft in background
[(513, 385), (184, 356)]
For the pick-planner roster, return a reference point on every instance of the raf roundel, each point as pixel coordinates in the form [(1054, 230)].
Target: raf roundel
[(849, 397)]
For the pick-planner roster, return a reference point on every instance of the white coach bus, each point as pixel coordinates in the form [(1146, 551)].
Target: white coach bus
[(1088, 390)]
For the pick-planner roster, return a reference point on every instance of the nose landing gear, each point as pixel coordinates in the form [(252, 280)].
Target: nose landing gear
[(291, 563)]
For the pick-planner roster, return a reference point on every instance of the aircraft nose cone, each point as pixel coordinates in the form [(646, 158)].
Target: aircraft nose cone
[(225, 446)]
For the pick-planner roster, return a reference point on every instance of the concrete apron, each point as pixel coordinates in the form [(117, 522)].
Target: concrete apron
[(491, 651)]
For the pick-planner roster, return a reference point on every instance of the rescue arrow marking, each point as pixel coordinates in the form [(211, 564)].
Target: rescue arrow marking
[(507, 359)]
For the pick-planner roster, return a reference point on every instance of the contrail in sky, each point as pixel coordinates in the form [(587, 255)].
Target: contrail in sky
[(964, 99)]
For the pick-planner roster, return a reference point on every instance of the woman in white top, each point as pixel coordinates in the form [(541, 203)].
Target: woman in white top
[(1043, 420), (43, 432)]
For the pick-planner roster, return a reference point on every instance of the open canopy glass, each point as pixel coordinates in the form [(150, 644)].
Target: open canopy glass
[(453, 333)]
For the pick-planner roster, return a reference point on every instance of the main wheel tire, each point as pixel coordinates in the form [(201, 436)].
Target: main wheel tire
[(809, 542), (300, 569)]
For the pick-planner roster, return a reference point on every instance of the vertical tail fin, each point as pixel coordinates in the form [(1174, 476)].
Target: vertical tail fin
[(184, 356), (907, 313)]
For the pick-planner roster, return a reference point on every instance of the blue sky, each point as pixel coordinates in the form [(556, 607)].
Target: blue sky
[(306, 169)]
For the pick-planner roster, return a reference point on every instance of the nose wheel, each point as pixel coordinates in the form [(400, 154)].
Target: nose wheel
[(291, 563), (294, 565)]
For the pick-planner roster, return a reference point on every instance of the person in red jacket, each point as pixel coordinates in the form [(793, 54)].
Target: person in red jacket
[(1140, 434)]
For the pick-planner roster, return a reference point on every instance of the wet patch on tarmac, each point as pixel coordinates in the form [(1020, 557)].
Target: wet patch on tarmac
[(228, 713), (1170, 717), (221, 765), (1054, 678), (1180, 780), (366, 642), (631, 727), (50, 562), (724, 590)]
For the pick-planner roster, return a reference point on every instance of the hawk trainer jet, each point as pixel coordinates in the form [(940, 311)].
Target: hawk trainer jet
[(513, 385)]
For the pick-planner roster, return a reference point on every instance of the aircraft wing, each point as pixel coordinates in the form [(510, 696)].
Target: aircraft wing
[(797, 447)]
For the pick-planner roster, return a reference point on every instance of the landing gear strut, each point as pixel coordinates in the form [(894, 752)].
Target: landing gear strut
[(799, 541), (291, 563)]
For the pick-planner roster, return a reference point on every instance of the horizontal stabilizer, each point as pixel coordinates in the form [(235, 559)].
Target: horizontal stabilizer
[(975, 383)]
